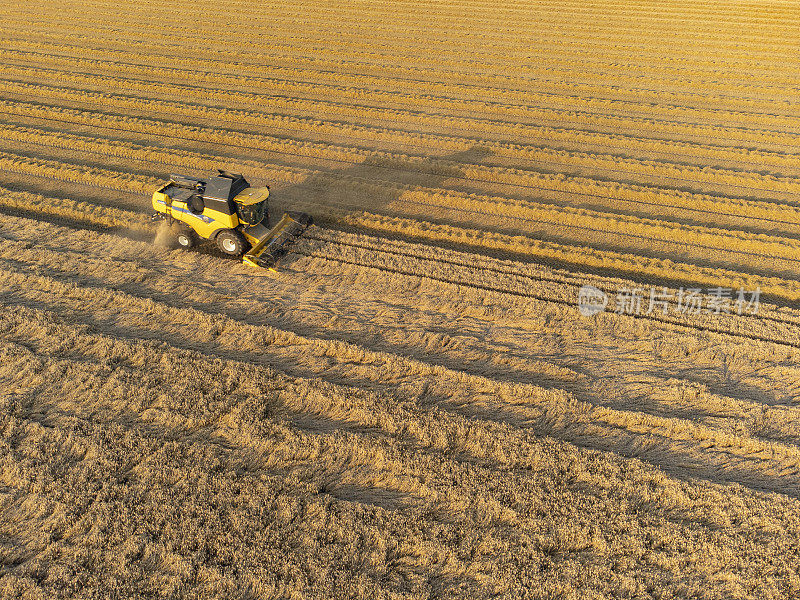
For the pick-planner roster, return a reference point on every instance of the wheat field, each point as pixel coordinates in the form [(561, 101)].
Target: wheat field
[(412, 406)]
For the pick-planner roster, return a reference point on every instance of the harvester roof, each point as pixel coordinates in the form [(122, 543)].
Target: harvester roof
[(225, 186)]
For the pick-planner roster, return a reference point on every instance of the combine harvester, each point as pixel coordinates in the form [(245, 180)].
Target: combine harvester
[(224, 208)]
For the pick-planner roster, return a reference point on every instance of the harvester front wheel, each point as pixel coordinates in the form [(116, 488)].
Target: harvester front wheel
[(231, 242), (185, 237)]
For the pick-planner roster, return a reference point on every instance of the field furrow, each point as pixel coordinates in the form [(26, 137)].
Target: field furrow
[(338, 131), (613, 55), (678, 155), (750, 255), (519, 280)]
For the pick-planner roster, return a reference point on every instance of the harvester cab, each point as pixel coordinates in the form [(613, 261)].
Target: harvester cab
[(226, 209)]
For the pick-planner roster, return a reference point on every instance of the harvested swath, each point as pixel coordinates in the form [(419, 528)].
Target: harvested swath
[(84, 174), (744, 245), (585, 256), (79, 211), (299, 479), (144, 153), (513, 279)]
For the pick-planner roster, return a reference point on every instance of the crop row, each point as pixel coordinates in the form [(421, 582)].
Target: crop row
[(520, 279), (339, 73), (384, 445), (295, 82), (110, 217), (529, 278), (362, 85), (412, 70), (513, 279), (394, 194), (571, 224), (483, 12), (414, 118), (416, 140), (541, 405), (770, 324), (152, 154), (260, 26), (703, 208), (583, 257), (591, 258), (365, 45), (316, 56), (628, 167), (74, 210), (362, 114), (369, 40), (82, 174)]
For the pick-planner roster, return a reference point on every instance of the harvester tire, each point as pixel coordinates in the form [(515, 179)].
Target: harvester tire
[(185, 237), (231, 242)]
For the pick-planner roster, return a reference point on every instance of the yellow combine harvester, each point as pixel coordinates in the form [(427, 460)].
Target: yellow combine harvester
[(224, 208)]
